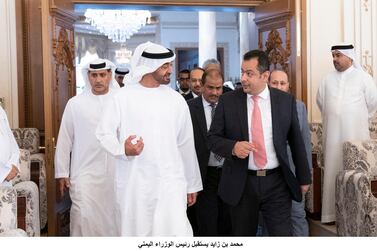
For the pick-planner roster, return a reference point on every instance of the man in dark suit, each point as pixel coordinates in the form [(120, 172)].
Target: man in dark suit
[(184, 84), (212, 217), (251, 128)]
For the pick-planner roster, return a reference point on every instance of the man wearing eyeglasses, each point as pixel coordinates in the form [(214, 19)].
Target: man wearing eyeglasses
[(184, 84)]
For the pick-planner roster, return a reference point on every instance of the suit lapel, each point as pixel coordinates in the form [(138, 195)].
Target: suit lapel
[(243, 114), (200, 116), (274, 111)]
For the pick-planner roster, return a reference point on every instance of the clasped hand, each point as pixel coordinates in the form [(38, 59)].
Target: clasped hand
[(133, 149)]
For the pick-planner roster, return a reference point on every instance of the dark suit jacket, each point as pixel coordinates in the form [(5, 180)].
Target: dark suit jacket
[(188, 96), (200, 133), (230, 125)]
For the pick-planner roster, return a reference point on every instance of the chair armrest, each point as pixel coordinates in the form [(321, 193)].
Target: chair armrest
[(14, 233), (8, 209), (29, 191), (356, 213), (24, 167), (38, 175), (360, 154)]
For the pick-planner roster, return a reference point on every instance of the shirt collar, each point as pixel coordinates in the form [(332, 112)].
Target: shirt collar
[(265, 94), (182, 92), (205, 102)]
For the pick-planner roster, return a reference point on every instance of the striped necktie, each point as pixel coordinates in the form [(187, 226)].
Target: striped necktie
[(213, 109)]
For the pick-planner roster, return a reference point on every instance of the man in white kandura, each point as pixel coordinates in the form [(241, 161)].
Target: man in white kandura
[(347, 99), (80, 162), (9, 152), (147, 126)]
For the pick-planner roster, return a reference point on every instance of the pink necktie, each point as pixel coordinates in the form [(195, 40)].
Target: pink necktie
[(260, 157)]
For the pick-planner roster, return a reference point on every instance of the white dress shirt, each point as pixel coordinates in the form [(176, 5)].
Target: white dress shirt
[(184, 93), (265, 109), (207, 111)]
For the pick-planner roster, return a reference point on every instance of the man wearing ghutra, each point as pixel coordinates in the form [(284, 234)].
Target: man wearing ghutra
[(347, 99), (80, 162), (119, 75), (147, 126)]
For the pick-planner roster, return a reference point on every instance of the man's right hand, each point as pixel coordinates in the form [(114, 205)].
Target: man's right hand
[(13, 173), (242, 149), (133, 149), (63, 184)]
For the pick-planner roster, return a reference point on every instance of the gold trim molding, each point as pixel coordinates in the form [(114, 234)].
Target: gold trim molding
[(277, 54), (366, 5), (366, 64), (63, 50)]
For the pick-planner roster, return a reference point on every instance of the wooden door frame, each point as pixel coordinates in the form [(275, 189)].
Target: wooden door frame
[(52, 16), (48, 110), (47, 55)]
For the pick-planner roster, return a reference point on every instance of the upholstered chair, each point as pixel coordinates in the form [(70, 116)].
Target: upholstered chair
[(314, 196), (356, 206), (29, 138), (8, 213), (27, 197)]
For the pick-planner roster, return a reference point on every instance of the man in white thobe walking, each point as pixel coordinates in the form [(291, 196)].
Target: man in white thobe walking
[(9, 152), (80, 162), (347, 99), (147, 126)]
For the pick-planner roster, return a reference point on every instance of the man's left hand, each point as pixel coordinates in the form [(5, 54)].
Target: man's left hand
[(191, 199), (304, 189)]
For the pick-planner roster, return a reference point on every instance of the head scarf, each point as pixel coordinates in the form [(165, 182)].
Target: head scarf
[(147, 58), (98, 64), (121, 71), (349, 51)]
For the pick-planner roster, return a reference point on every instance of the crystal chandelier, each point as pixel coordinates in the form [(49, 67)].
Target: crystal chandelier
[(117, 25)]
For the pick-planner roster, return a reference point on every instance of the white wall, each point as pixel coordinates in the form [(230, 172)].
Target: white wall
[(324, 29), (253, 32), (8, 60), (183, 32)]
